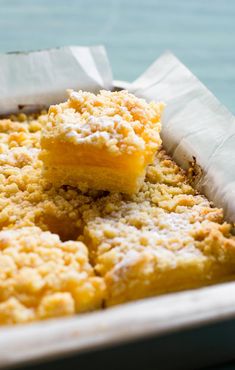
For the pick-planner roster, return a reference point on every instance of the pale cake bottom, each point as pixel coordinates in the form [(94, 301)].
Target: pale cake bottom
[(85, 177)]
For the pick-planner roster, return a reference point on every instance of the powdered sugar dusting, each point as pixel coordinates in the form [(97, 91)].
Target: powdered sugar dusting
[(118, 121)]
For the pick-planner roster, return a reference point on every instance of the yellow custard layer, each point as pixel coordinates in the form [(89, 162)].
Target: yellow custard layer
[(97, 171)]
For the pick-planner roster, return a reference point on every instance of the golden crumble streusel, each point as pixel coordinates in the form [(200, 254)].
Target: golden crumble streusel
[(42, 277), (26, 198), (166, 237)]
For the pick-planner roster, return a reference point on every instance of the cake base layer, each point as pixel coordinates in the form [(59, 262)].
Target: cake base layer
[(98, 178)]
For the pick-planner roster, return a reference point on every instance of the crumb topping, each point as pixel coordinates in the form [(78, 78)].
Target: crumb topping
[(42, 277), (26, 197), (116, 121), (123, 239)]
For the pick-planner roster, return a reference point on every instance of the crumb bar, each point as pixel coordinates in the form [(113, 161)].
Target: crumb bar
[(167, 238), (102, 142)]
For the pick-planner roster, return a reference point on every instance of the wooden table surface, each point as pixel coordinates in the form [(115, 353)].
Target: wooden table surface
[(200, 32)]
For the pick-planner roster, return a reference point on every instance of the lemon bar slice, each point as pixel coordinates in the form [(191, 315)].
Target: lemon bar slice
[(102, 142), (144, 251), (41, 277), (165, 238)]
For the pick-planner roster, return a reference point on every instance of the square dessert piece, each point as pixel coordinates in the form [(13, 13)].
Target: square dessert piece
[(144, 251), (167, 238), (102, 142)]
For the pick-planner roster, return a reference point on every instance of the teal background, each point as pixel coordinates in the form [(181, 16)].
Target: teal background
[(200, 32)]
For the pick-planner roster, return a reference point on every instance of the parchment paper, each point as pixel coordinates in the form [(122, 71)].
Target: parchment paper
[(195, 124), (40, 78)]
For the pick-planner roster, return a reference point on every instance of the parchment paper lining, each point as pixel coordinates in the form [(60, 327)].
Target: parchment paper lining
[(195, 124), (40, 78)]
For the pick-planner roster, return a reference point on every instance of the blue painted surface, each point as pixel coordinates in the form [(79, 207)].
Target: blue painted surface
[(200, 32)]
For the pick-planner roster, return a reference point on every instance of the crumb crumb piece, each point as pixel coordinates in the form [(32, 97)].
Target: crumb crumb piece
[(41, 277)]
